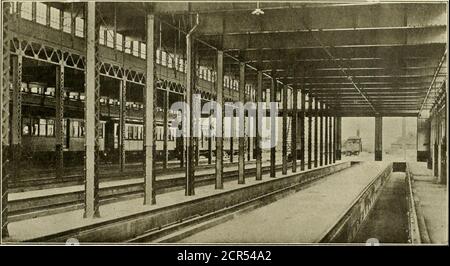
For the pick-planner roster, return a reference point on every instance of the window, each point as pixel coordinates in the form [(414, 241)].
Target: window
[(129, 132), (55, 18), (79, 27), (35, 127), (101, 38), (110, 38), (119, 40), (50, 128), (41, 13), (26, 126), (143, 50), (135, 132), (140, 132), (102, 130), (67, 22), (81, 129), (26, 10), (74, 129), (64, 126), (128, 45), (136, 48), (163, 58), (42, 127)]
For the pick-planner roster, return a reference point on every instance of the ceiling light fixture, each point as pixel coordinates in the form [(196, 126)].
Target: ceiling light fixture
[(258, 11)]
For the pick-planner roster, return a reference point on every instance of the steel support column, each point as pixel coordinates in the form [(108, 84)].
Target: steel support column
[(165, 128), (326, 133), (241, 167), (149, 98), (5, 148), (320, 113), (92, 75), (232, 133), (189, 122), (16, 116), (330, 137), (378, 138), (334, 138), (122, 117), (219, 111), (209, 139), (259, 112), (316, 125), (309, 130), (59, 131), (294, 128), (284, 127), (273, 129), (302, 130), (338, 137)]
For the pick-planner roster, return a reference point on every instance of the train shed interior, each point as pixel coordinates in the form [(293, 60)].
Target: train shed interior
[(161, 121)]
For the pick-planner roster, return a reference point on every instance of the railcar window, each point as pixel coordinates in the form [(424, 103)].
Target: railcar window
[(143, 50), (64, 126), (79, 27), (35, 127), (26, 126), (26, 10), (50, 91), (50, 128), (110, 38), (74, 129), (81, 130), (127, 45), (67, 22), (141, 136), (101, 38), (130, 132), (136, 48), (55, 16), (41, 13), (42, 127), (37, 90), (24, 87), (119, 41)]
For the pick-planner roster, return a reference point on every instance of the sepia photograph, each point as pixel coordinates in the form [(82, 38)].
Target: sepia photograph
[(218, 123)]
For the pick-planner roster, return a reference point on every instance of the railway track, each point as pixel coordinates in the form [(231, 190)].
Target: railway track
[(106, 174), (37, 206)]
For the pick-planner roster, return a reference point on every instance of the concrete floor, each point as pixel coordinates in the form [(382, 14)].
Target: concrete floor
[(431, 200), (302, 217)]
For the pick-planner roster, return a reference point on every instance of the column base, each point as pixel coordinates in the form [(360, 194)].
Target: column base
[(378, 155)]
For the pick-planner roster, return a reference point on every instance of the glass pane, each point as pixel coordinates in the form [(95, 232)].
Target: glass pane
[(42, 127), (26, 129), (50, 128), (26, 10), (55, 16), (41, 13), (79, 27), (67, 22), (35, 127), (119, 40), (127, 45), (110, 38), (135, 48), (101, 37), (143, 50)]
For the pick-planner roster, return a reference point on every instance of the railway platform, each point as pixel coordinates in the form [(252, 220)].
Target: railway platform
[(174, 206), (430, 199), (304, 217)]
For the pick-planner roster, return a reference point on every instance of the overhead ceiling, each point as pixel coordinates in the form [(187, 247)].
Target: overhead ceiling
[(359, 57)]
